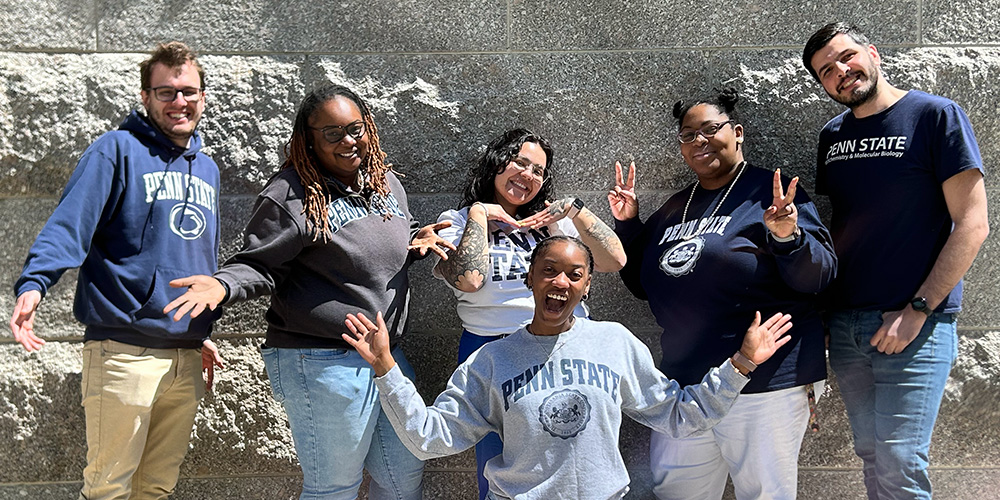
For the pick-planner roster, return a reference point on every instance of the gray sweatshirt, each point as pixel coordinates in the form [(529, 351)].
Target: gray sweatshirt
[(314, 284), (557, 403)]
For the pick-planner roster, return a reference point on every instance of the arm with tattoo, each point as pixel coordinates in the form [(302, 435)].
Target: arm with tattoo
[(469, 264), (609, 255)]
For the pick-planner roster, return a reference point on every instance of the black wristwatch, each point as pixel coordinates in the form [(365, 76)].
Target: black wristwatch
[(920, 304)]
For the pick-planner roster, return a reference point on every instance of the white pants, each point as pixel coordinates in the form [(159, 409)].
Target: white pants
[(757, 443)]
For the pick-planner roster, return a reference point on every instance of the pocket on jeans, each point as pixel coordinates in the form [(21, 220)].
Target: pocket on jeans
[(270, 355), (324, 354)]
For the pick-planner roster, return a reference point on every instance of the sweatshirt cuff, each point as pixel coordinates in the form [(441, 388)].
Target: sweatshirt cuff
[(393, 378), (628, 226), (786, 247), (28, 286), (729, 375)]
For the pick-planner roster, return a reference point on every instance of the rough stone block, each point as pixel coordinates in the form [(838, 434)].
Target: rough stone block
[(960, 22), (622, 24), (303, 26), (49, 24)]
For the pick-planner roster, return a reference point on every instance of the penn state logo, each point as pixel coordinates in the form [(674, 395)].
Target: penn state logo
[(680, 259), (187, 221), (565, 413)]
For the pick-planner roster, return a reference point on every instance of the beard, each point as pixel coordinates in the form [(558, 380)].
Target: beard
[(863, 94)]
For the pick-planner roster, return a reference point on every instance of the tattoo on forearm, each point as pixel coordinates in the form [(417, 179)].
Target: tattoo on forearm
[(467, 265), (603, 235)]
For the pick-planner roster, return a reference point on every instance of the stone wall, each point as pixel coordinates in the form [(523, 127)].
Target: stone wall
[(595, 76)]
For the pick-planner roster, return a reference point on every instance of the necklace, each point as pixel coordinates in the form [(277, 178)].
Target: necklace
[(684, 216), (558, 344)]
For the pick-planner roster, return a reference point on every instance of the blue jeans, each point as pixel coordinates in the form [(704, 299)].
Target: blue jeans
[(338, 426), (892, 400), (491, 445)]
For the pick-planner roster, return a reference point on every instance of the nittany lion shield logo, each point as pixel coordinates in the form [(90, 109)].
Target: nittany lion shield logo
[(565, 413), (680, 259), (187, 221)]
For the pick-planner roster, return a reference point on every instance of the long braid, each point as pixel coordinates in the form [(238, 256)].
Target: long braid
[(300, 157)]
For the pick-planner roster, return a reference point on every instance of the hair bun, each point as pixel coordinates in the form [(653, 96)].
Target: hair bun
[(679, 110), (728, 97)]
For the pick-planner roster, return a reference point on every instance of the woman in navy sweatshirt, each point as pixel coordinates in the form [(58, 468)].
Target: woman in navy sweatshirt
[(733, 242)]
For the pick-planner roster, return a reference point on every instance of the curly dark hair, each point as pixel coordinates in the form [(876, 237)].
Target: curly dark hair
[(499, 153), (724, 100)]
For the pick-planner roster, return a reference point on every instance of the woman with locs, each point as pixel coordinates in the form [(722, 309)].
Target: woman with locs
[(503, 216), (732, 243), (330, 234), (556, 389)]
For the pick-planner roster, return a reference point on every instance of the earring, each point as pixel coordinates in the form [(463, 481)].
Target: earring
[(585, 296)]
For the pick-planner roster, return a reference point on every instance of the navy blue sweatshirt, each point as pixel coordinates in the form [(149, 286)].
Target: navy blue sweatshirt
[(705, 279), (137, 212)]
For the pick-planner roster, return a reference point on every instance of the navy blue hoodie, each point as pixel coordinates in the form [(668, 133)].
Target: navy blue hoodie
[(137, 212)]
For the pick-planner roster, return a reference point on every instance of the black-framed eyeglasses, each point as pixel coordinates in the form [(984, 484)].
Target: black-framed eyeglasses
[(335, 133), (688, 136), (524, 165), (167, 93)]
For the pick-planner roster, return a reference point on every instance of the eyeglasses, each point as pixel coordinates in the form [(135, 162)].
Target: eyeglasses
[(524, 165), (334, 133), (707, 131), (168, 93)]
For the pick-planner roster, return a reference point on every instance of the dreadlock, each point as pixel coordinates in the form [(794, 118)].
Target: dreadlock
[(300, 156)]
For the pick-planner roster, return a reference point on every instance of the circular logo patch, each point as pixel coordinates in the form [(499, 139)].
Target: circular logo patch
[(680, 259), (187, 221), (565, 413)]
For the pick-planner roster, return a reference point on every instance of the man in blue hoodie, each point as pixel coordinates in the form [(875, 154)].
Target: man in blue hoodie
[(140, 210)]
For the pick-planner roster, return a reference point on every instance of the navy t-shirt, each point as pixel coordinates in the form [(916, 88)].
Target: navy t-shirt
[(704, 280), (883, 174)]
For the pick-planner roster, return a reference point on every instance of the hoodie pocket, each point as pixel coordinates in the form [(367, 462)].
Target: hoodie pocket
[(149, 318)]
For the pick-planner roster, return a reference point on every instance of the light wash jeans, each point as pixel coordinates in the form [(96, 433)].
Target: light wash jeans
[(757, 443), (892, 400), (338, 426)]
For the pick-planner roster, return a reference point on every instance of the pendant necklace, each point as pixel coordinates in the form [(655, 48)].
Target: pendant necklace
[(742, 167)]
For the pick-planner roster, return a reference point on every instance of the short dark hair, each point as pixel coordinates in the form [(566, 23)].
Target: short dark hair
[(724, 100), (499, 153), (822, 36), (547, 242), (172, 55)]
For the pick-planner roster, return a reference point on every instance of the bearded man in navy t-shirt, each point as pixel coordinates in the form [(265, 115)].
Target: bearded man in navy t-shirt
[(905, 180)]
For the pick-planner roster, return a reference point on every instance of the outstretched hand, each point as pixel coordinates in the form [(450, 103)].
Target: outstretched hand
[(22, 321), (371, 341), (203, 292), (427, 240), (763, 340), (622, 200), (782, 218), (554, 211)]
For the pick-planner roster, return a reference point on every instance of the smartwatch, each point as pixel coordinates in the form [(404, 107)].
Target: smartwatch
[(920, 304), (574, 208)]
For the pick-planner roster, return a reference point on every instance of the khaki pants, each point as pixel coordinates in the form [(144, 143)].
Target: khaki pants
[(140, 405)]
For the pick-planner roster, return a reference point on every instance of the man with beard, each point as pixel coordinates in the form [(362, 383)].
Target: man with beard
[(139, 210), (905, 180)]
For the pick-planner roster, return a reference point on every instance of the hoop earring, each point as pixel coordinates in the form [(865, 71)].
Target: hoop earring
[(585, 297)]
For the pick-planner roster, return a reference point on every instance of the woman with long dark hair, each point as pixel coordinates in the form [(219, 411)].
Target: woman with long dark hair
[(331, 234), (503, 215)]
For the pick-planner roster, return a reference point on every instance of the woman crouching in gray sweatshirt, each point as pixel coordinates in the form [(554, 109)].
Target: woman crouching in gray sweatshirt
[(555, 390)]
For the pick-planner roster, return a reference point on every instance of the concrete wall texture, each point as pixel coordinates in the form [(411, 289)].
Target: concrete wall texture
[(597, 77)]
